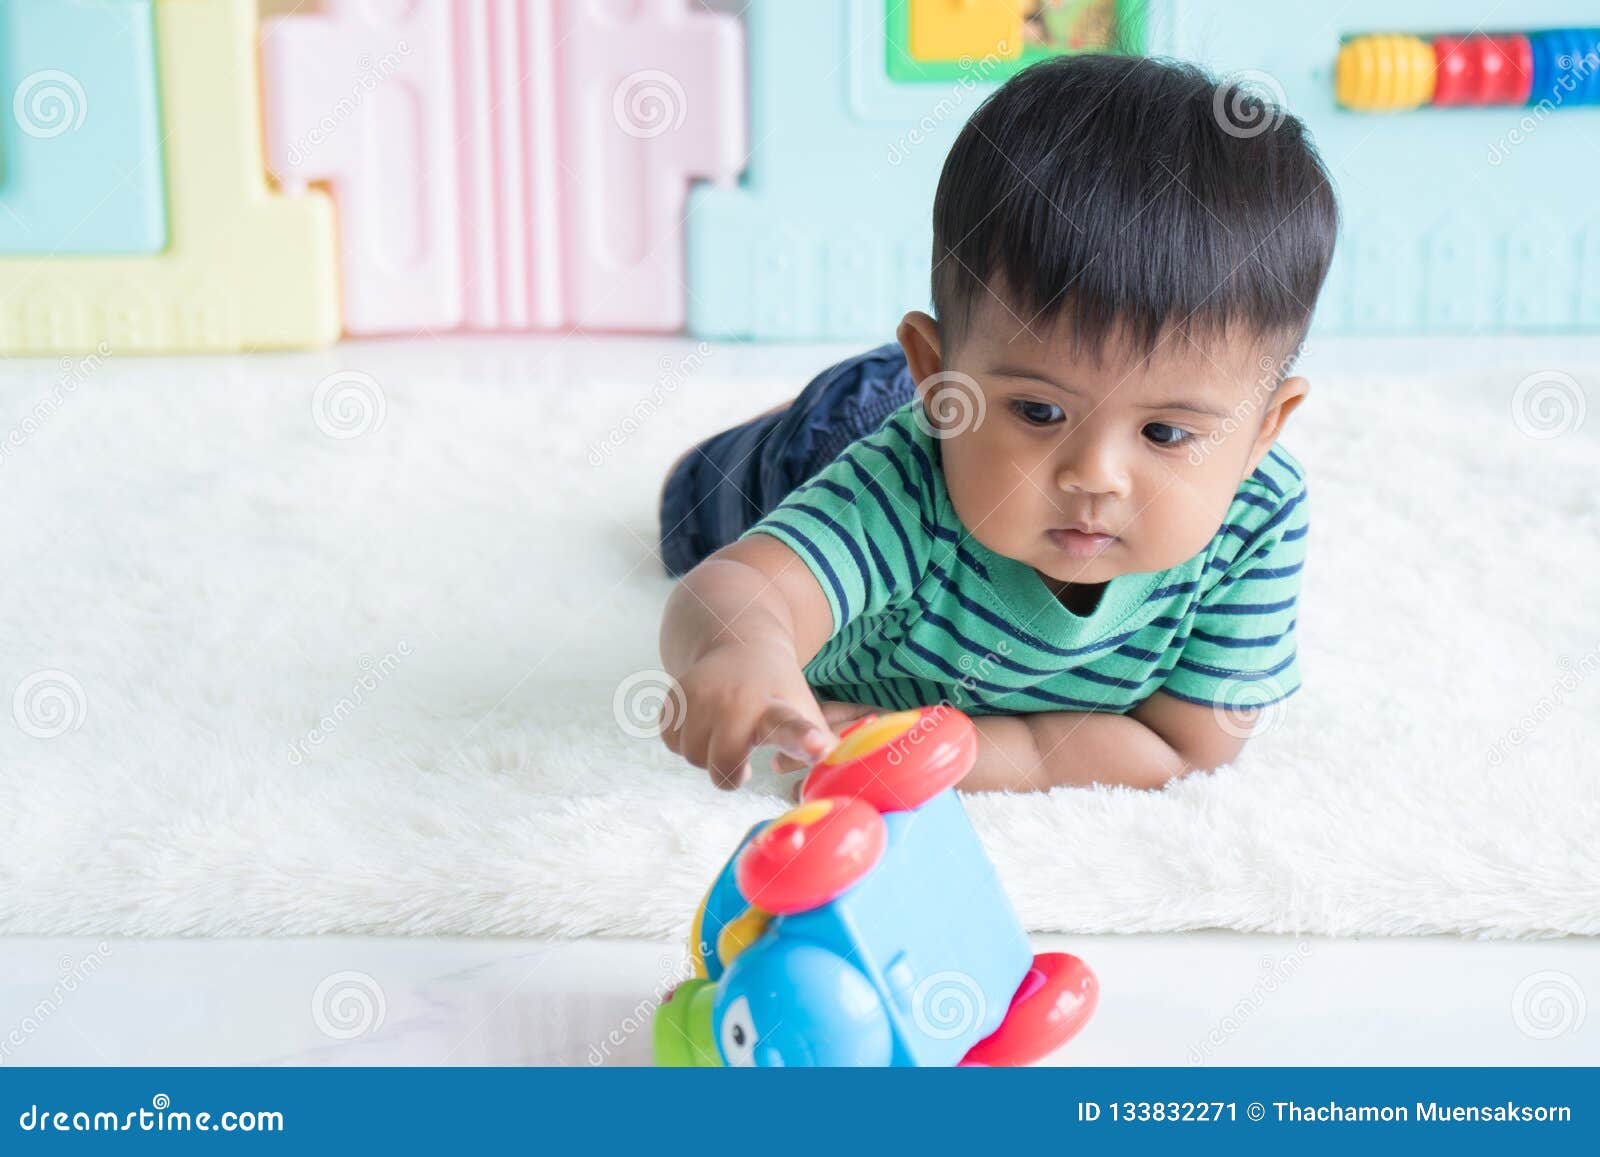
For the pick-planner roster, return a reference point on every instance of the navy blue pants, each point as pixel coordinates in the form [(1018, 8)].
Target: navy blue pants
[(726, 484)]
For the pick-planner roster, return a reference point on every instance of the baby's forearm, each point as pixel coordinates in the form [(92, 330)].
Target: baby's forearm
[(1061, 748), (721, 602)]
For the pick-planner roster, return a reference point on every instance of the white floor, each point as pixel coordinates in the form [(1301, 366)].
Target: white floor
[(1199, 998)]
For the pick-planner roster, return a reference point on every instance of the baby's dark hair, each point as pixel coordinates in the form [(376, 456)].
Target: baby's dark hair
[(1129, 195)]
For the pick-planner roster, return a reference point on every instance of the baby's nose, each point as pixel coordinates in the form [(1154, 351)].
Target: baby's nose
[(1094, 472)]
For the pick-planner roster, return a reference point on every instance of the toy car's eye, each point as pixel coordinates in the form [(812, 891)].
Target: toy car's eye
[(739, 1034)]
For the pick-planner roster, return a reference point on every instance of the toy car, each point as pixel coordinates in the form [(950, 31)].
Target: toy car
[(867, 926)]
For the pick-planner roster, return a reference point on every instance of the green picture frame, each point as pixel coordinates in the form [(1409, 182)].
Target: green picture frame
[(903, 68)]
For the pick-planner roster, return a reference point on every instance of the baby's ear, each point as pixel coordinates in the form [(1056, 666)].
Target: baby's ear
[(919, 338), (1285, 400)]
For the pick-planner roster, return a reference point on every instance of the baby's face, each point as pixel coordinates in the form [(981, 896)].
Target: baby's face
[(1085, 470)]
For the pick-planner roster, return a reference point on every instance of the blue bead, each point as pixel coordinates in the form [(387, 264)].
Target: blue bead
[(1566, 66)]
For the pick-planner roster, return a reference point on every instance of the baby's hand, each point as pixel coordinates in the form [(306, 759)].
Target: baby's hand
[(743, 696)]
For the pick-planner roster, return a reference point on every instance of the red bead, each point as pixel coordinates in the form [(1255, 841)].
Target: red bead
[(1483, 70)]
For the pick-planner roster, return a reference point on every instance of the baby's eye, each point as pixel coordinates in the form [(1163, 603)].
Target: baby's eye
[(1037, 413), (1164, 435)]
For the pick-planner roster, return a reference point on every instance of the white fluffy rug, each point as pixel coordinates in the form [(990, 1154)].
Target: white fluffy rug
[(258, 678)]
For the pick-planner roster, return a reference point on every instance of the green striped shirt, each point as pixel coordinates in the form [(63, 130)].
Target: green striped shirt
[(925, 613)]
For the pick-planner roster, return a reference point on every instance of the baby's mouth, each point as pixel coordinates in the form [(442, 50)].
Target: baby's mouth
[(1082, 541)]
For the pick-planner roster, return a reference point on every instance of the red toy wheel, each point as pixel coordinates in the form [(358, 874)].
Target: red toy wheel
[(810, 855), (1052, 1003), (897, 762)]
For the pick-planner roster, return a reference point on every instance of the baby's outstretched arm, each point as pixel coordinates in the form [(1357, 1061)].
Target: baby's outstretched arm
[(1160, 739), (737, 633)]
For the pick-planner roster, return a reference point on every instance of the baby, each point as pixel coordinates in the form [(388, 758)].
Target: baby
[(1057, 503)]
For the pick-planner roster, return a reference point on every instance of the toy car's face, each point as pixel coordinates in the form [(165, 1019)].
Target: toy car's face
[(738, 1033), (692, 1029), (705, 1024), (749, 1025), (787, 1003)]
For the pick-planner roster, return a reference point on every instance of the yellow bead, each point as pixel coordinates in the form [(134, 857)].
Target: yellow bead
[(1386, 72)]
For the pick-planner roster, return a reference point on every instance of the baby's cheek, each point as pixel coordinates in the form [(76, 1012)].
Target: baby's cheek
[(986, 497), (975, 515), (1183, 520), (992, 521)]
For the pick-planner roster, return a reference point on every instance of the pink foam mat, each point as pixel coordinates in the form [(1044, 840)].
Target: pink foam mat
[(506, 164)]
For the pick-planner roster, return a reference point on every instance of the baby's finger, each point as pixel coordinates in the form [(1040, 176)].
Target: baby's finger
[(728, 759), (784, 764), (837, 711), (671, 732), (794, 734)]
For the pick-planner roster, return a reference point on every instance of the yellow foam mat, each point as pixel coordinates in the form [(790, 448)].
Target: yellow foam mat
[(245, 267)]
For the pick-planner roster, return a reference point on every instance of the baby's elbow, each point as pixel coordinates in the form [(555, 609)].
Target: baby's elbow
[(1208, 752)]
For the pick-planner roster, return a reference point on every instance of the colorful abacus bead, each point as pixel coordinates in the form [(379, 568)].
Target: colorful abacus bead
[(1566, 66), (1393, 72), (1387, 72), (1482, 70)]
